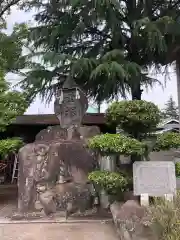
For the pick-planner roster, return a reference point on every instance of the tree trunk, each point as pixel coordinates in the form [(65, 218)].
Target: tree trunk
[(99, 107), (135, 157), (178, 85), (136, 92), (107, 163)]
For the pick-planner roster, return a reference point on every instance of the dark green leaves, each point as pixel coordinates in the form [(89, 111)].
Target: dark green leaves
[(113, 41)]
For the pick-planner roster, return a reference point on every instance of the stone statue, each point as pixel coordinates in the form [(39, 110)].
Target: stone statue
[(70, 104), (53, 170)]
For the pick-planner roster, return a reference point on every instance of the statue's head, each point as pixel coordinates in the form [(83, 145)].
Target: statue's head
[(70, 105)]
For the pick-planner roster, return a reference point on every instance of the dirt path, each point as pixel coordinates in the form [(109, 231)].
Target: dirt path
[(55, 231)]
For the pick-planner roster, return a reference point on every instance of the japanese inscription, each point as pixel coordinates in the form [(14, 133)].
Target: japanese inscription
[(71, 110), (154, 178)]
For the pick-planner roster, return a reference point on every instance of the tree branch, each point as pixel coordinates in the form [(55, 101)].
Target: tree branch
[(7, 6), (169, 7)]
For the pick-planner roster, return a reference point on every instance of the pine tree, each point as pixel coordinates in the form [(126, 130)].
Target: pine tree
[(170, 110), (94, 33)]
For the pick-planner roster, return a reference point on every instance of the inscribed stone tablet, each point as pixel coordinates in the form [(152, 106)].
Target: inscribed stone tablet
[(154, 178), (71, 111)]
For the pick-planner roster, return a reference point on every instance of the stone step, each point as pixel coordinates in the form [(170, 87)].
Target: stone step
[(56, 220)]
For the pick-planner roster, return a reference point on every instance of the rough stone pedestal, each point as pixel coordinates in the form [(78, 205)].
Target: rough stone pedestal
[(129, 219), (53, 173)]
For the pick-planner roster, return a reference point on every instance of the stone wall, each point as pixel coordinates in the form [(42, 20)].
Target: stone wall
[(163, 155)]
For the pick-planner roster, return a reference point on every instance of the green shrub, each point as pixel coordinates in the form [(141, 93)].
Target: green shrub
[(166, 141), (134, 117), (116, 143), (10, 145), (111, 182), (177, 169), (165, 219)]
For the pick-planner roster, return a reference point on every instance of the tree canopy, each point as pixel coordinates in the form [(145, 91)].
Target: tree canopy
[(114, 43), (12, 104), (11, 47)]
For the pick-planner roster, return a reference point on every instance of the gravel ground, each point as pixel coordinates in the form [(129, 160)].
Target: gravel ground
[(55, 231)]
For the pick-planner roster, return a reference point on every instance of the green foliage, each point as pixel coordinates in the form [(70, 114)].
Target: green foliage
[(111, 182), (10, 145), (12, 104), (167, 141), (107, 76), (164, 219), (11, 46), (116, 143), (116, 41), (134, 117), (170, 110), (177, 165)]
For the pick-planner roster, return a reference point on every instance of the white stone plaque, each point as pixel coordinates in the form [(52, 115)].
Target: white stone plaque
[(154, 178)]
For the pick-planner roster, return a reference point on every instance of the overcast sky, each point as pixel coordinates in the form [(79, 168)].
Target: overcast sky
[(157, 94)]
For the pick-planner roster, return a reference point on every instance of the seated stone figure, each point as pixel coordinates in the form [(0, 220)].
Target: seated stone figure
[(53, 171)]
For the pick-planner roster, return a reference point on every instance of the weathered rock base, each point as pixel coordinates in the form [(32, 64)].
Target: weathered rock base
[(53, 173), (130, 221)]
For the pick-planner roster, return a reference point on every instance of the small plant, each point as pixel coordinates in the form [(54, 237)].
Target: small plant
[(165, 219), (8, 146), (116, 143), (111, 182), (177, 166)]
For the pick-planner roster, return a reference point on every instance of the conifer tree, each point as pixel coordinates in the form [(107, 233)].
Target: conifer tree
[(107, 46), (170, 110)]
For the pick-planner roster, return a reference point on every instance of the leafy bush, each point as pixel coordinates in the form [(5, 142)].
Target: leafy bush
[(116, 143), (177, 169), (134, 117), (10, 145), (165, 219), (111, 182), (166, 141)]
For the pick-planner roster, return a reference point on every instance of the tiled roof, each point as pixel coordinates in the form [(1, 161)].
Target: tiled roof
[(167, 121), (51, 119)]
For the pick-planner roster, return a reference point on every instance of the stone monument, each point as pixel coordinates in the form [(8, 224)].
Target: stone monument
[(156, 179), (53, 170), (70, 104)]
